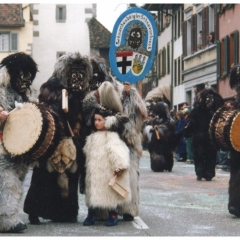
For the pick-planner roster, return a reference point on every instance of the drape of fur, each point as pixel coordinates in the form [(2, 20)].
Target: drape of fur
[(109, 97), (12, 175), (63, 159), (106, 153)]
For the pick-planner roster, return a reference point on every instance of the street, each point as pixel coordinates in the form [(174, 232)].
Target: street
[(171, 204)]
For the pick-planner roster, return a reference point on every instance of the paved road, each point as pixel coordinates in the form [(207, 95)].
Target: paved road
[(172, 204)]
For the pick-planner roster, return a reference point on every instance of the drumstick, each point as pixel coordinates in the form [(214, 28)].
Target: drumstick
[(18, 106), (70, 129), (156, 131)]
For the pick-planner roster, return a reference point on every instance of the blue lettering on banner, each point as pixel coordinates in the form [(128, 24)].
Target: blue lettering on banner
[(133, 45)]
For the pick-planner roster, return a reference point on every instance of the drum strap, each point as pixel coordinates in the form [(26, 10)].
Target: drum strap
[(1, 137)]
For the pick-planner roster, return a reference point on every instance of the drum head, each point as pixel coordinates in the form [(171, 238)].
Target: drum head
[(235, 133), (22, 129)]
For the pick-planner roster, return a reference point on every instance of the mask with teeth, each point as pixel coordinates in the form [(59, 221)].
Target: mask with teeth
[(76, 79), (23, 82)]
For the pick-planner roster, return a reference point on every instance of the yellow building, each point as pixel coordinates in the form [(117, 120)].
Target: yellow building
[(16, 29)]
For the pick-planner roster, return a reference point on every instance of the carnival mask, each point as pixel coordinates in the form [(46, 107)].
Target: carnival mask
[(76, 79), (23, 82), (95, 82), (135, 38), (209, 101)]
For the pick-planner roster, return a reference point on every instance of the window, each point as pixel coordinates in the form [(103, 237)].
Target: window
[(8, 42), (199, 28), (59, 54), (211, 18), (61, 13)]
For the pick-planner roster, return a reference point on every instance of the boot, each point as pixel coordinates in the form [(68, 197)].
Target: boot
[(112, 218), (18, 228), (91, 218), (33, 219)]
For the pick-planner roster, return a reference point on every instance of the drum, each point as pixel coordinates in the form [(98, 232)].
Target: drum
[(29, 131), (224, 129)]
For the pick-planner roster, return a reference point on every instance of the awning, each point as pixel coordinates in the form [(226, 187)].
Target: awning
[(161, 91)]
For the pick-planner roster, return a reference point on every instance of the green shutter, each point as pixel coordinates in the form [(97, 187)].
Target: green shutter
[(218, 8), (168, 58), (14, 41), (218, 43), (236, 47), (164, 61), (226, 56)]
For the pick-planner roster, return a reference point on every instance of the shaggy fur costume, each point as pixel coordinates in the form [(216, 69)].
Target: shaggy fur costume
[(161, 150), (12, 170), (53, 193), (106, 153), (130, 132), (234, 182), (198, 125)]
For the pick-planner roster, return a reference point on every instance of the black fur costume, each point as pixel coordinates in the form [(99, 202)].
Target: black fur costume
[(161, 150), (17, 71), (51, 196), (198, 125), (234, 182)]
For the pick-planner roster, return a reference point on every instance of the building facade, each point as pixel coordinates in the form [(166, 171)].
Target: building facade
[(16, 29), (58, 29)]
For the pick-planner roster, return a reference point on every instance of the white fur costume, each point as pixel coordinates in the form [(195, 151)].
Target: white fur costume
[(105, 153)]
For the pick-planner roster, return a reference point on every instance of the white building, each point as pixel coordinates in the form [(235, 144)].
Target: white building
[(58, 29)]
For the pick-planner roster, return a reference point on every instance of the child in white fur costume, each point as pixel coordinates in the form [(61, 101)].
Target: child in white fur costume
[(106, 155)]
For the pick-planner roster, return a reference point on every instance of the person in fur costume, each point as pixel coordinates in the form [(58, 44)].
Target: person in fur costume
[(198, 124), (53, 193), (163, 139), (106, 155), (233, 189), (130, 132), (17, 72)]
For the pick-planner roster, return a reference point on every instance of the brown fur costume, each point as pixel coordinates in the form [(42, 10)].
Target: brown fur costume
[(53, 193)]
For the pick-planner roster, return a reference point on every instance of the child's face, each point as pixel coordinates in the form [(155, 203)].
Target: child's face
[(99, 122)]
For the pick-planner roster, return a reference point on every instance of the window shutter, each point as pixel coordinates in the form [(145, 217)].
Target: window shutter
[(64, 13), (14, 41), (184, 38), (226, 56), (194, 33), (205, 24), (168, 58), (236, 47), (218, 8), (216, 23), (218, 59), (164, 61)]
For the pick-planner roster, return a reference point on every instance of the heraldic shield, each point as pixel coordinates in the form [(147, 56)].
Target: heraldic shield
[(133, 45)]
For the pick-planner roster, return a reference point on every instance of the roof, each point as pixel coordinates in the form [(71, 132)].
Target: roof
[(160, 7), (100, 37), (11, 15)]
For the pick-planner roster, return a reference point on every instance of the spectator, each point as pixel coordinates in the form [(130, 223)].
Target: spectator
[(181, 149), (188, 139)]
